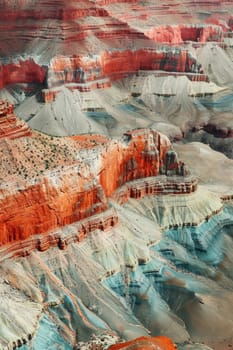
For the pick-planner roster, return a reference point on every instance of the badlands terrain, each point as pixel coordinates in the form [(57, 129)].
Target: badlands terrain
[(116, 182)]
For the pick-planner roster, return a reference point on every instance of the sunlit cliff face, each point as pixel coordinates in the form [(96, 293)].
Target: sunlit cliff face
[(116, 179)]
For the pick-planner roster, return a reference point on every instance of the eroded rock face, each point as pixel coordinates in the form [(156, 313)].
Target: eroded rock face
[(10, 126), (21, 72), (39, 194), (69, 194), (103, 169), (115, 65), (182, 33), (89, 41), (88, 46)]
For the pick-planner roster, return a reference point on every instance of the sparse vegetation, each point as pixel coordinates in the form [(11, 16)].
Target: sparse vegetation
[(31, 157)]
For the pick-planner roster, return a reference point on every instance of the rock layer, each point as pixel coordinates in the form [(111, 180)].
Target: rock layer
[(24, 71), (72, 193), (10, 126), (69, 195), (70, 48)]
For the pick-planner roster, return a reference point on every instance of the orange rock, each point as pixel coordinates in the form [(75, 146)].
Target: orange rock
[(76, 188), (146, 343), (10, 126), (65, 193), (42, 207), (46, 205), (143, 156)]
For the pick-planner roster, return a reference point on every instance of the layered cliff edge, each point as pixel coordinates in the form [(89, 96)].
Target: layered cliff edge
[(90, 47), (90, 44), (74, 194), (50, 182)]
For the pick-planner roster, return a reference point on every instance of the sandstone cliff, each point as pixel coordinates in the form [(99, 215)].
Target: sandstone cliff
[(47, 192)]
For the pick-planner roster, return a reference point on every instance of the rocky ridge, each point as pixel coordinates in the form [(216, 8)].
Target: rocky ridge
[(90, 171)]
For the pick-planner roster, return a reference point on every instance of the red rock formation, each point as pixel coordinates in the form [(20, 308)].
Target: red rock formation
[(85, 73), (141, 156), (42, 207), (117, 64), (103, 221), (78, 192), (181, 33), (70, 195), (132, 61), (80, 58), (154, 186), (49, 95), (146, 343), (77, 231), (22, 72), (74, 35), (47, 10), (10, 126)]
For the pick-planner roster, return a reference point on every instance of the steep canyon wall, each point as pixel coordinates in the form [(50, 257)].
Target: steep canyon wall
[(81, 190)]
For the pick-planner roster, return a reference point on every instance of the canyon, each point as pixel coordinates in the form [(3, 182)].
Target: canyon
[(116, 201)]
